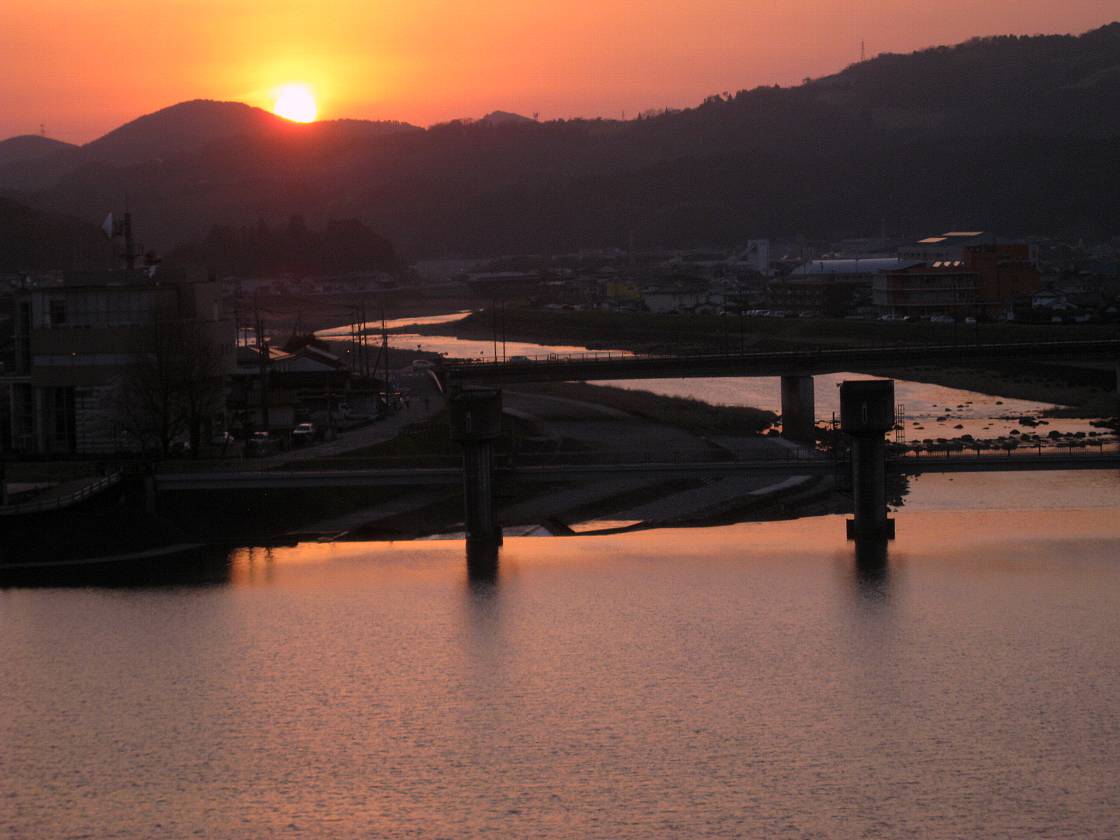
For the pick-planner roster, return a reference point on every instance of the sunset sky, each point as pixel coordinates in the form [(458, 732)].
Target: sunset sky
[(82, 67)]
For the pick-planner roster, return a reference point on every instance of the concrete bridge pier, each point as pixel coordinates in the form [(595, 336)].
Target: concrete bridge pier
[(798, 408), (482, 563), (476, 423), (867, 414), (872, 569)]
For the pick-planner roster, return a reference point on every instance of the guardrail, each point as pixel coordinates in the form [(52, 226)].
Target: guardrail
[(63, 501), (631, 455), (626, 456), (1090, 447)]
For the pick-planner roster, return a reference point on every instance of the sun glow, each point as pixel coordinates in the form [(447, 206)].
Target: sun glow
[(296, 103)]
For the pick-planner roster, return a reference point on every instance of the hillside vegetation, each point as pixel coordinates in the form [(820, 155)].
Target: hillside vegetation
[(1016, 134)]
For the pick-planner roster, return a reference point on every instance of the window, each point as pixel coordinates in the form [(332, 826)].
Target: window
[(57, 312)]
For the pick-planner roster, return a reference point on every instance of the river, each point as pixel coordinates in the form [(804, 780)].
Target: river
[(745, 681), (754, 680)]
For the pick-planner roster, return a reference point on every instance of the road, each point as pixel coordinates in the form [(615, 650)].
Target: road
[(424, 402)]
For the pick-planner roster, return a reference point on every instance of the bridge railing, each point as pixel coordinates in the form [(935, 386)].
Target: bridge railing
[(1093, 448), (61, 501)]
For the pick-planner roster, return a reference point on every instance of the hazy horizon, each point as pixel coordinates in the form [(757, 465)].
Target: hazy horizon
[(424, 66)]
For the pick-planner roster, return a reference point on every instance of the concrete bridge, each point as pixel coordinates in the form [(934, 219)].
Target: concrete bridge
[(867, 413), (795, 367)]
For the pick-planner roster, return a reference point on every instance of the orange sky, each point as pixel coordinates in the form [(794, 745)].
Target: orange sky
[(82, 67)]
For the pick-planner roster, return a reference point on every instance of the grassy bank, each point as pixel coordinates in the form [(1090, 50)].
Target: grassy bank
[(430, 441), (682, 412)]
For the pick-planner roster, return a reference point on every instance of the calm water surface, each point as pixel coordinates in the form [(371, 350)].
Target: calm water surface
[(753, 680)]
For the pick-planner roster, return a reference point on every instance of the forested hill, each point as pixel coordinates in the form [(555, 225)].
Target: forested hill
[(292, 249), (1016, 134)]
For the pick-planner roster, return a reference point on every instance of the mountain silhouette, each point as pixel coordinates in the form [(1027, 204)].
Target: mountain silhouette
[(30, 147), (504, 118), (180, 129), (165, 135), (1018, 134)]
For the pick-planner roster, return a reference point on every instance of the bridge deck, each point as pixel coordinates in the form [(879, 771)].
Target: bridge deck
[(606, 366), (444, 476)]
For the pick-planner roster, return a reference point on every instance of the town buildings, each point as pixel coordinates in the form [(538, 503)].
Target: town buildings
[(830, 288)]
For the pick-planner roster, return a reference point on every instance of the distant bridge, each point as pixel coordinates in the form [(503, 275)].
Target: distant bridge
[(588, 367), (795, 367)]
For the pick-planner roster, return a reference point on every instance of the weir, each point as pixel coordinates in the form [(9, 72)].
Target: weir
[(867, 414), (476, 423)]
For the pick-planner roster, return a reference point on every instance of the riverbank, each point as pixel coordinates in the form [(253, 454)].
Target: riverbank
[(283, 314)]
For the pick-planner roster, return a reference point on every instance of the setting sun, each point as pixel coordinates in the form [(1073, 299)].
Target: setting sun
[(296, 103)]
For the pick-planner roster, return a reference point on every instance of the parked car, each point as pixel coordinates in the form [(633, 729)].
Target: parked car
[(303, 434), (261, 443), (421, 364)]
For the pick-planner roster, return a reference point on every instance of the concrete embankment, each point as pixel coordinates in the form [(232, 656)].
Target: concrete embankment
[(642, 500)]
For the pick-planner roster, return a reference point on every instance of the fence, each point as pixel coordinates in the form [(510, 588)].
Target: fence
[(62, 501)]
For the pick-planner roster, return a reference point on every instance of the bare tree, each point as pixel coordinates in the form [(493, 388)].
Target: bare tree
[(173, 383)]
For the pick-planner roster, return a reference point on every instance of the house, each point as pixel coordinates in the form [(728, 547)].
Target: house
[(679, 296), (300, 382)]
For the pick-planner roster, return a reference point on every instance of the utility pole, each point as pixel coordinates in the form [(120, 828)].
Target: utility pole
[(494, 325), (130, 253), (385, 347), (263, 358), (354, 369), (364, 335)]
